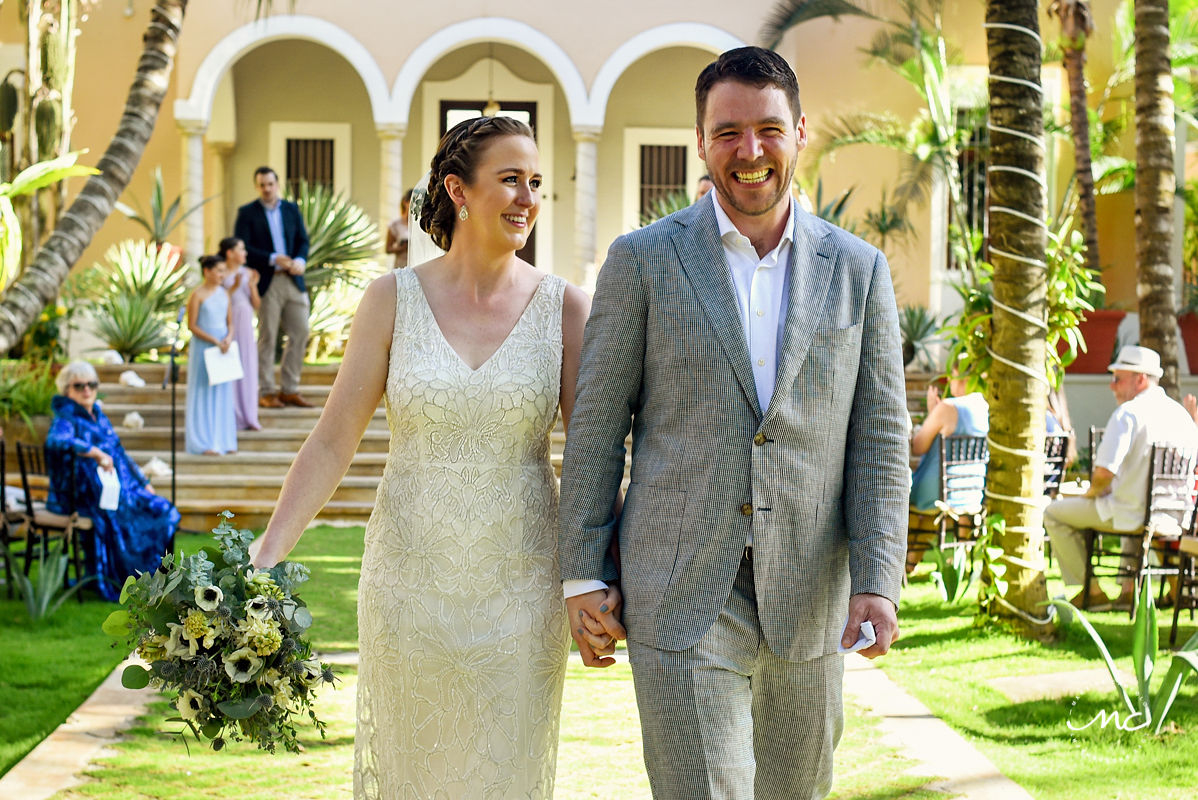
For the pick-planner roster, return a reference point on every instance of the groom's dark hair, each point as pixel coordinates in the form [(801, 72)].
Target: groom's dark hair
[(754, 66)]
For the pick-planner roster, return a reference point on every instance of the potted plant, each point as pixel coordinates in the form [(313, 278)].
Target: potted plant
[(917, 326), (1187, 322)]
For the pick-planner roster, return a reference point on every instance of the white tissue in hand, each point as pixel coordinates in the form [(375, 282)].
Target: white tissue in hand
[(156, 468), (133, 421), (131, 378), (865, 639)]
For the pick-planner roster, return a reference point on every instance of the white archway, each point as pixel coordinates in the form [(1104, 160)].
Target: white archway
[(679, 34), (497, 30), (196, 109)]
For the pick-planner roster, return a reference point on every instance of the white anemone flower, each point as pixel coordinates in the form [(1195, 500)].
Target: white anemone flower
[(190, 704), (241, 665), (258, 607), (176, 645), (208, 597)]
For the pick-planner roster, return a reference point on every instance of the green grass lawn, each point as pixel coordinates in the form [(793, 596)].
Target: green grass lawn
[(947, 663), (941, 659)]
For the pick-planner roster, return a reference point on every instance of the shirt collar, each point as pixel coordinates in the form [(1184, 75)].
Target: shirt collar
[(732, 236), (275, 207)]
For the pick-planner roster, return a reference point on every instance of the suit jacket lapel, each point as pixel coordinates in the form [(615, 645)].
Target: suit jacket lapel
[(811, 267), (702, 255)]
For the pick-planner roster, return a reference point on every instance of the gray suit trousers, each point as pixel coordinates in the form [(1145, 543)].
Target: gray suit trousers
[(284, 307), (728, 720)]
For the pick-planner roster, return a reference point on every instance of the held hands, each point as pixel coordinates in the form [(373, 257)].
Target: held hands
[(879, 611), (595, 625)]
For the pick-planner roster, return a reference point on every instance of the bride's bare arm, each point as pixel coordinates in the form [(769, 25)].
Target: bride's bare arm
[(576, 307), (326, 454)]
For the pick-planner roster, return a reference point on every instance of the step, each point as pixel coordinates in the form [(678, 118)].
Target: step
[(157, 438), (159, 415), (315, 374), (234, 488), (201, 515), (259, 463), (154, 394)]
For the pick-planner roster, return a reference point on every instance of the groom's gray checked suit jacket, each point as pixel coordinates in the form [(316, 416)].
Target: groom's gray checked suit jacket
[(821, 474)]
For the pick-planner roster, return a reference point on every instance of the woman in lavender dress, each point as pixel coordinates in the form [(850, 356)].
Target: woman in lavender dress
[(242, 283)]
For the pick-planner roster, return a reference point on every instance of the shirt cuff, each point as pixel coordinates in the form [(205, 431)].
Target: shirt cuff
[(576, 587)]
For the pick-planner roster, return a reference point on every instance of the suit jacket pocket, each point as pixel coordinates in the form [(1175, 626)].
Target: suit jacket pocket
[(650, 528), (830, 367)]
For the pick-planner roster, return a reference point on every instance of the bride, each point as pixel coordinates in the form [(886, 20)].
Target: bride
[(461, 621)]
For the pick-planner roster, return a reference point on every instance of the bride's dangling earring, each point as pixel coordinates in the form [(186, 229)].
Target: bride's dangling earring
[(463, 215)]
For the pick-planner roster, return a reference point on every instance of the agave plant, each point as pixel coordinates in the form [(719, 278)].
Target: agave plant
[(328, 323), (343, 240), (141, 269), (917, 326), (161, 219), (130, 324), (1151, 710), (665, 205)]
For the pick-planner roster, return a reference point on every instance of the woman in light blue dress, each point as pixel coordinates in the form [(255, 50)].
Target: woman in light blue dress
[(211, 422), (964, 414)]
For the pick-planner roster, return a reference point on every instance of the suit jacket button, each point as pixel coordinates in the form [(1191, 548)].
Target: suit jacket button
[(759, 439), (746, 509)]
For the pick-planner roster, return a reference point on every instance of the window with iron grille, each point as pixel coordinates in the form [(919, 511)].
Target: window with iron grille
[(972, 160), (663, 174), (309, 160)]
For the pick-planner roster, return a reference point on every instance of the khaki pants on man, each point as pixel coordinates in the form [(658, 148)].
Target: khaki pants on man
[(283, 307)]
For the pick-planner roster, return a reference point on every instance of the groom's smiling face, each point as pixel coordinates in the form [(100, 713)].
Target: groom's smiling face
[(751, 142)]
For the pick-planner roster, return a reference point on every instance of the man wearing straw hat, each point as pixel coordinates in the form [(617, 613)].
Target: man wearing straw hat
[(1117, 495)]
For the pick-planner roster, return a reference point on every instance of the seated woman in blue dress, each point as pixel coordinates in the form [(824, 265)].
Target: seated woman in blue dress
[(130, 538), (964, 414)]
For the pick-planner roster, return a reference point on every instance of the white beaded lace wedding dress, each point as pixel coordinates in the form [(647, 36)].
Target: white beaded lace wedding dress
[(460, 613)]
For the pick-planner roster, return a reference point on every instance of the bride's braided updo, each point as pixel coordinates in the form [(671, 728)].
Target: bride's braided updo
[(458, 154)]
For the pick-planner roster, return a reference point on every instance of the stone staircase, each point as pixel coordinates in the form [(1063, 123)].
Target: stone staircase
[(248, 482)]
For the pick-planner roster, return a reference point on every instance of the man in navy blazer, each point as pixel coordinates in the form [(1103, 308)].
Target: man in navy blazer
[(276, 241)]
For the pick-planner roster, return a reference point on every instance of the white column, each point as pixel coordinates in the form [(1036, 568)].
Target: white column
[(193, 187), (391, 186), (586, 193)]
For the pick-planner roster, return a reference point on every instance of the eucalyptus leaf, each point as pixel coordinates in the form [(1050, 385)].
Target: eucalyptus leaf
[(135, 677), (244, 709), (117, 624)]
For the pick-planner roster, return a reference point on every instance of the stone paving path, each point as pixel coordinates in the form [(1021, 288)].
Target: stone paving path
[(60, 760)]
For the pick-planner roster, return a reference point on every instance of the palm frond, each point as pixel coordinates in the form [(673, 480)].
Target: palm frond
[(789, 13)]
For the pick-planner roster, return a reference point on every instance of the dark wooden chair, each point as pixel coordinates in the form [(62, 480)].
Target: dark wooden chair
[(1185, 593), (11, 524), (1056, 446), (43, 525), (1169, 508), (960, 508)]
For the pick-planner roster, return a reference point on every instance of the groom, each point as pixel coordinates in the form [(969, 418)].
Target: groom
[(754, 351)]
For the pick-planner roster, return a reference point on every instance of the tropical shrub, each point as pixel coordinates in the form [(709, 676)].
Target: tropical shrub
[(138, 268), (917, 326), (328, 323), (25, 390), (343, 240)]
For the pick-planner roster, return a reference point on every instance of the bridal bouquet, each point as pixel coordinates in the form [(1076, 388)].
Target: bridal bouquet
[(228, 638)]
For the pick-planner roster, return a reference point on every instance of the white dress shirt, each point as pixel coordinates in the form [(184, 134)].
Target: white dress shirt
[(762, 297)]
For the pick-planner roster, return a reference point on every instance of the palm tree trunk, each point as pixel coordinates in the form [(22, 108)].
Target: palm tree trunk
[(1156, 183), (39, 283), (1017, 390), (1079, 125)]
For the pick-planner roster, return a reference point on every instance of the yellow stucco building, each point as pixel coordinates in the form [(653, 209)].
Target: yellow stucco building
[(357, 92)]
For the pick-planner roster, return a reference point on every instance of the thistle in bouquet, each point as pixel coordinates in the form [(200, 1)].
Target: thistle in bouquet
[(228, 639)]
